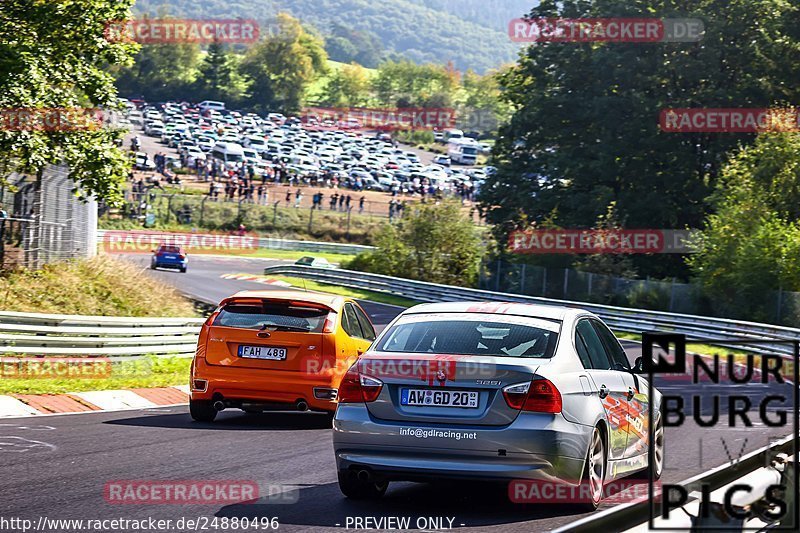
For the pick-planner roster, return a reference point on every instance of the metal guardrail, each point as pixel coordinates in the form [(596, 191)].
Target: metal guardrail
[(725, 331), (36, 334), (266, 243)]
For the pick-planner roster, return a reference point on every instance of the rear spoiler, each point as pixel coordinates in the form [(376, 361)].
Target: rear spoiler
[(258, 301)]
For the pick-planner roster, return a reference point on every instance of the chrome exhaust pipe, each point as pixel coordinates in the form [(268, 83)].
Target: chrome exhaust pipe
[(364, 476), (302, 405), (219, 405)]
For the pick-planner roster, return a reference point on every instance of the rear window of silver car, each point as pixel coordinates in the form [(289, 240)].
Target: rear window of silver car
[(500, 338)]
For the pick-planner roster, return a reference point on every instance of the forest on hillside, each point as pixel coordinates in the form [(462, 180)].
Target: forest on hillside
[(470, 33)]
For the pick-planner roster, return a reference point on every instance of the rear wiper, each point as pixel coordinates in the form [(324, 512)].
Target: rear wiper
[(284, 327)]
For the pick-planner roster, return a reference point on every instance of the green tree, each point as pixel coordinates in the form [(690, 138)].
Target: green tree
[(606, 263), (749, 247), (280, 68), (346, 45), (404, 84), (585, 128), (435, 243), (480, 106), (218, 76), (348, 86), (161, 72), (52, 56)]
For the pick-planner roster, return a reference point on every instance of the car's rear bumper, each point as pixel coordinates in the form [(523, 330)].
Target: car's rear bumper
[(268, 387), (170, 264), (539, 447), (405, 466)]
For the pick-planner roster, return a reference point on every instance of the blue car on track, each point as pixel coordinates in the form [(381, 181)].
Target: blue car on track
[(169, 256)]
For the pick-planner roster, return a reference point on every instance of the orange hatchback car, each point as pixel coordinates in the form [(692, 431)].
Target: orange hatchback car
[(276, 350)]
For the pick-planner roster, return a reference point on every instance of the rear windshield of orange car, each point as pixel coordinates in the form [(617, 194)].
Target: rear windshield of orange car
[(272, 314), (497, 338)]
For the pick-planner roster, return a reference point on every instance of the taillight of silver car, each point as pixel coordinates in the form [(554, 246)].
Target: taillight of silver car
[(358, 388), (539, 395)]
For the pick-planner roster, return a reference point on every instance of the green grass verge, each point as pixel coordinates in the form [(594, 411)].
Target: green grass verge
[(149, 371), (98, 286), (360, 294)]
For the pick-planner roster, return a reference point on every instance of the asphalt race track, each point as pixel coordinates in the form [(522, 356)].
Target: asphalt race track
[(57, 466)]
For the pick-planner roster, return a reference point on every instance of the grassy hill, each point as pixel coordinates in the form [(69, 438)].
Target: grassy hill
[(470, 33)]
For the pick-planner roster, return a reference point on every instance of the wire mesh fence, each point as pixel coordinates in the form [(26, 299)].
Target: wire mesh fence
[(275, 207), (273, 215), (44, 220)]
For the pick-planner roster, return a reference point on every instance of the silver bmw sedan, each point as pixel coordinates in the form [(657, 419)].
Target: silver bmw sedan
[(496, 392)]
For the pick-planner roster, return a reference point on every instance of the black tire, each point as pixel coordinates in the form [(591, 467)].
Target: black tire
[(355, 489), (591, 475), (152, 266), (183, 270), (658, 435), (202, 410)]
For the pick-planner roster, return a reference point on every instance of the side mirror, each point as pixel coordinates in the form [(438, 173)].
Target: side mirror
[(638, 366)]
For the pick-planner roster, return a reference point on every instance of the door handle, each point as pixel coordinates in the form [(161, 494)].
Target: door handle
[(603, 391), (631, 393)]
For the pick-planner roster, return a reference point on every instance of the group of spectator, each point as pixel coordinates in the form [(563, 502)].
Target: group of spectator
[(239, 189), (337, 202), (244, 183), (396, 209)]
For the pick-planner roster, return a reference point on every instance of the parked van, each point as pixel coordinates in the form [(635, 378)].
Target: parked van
[(209, 105), (453, 134), (230, 154), (301, 159), (463, 151)]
